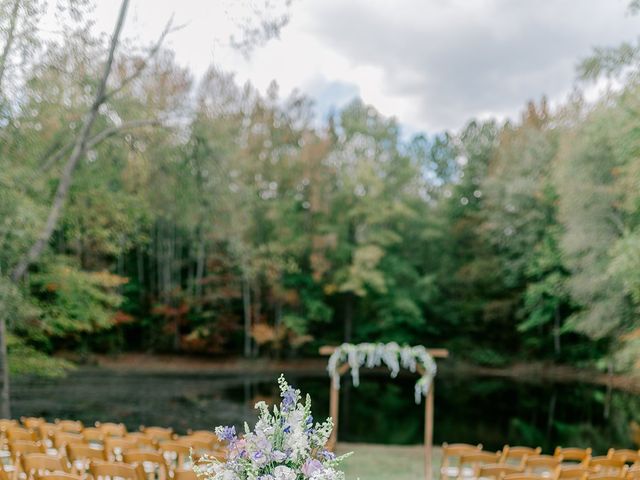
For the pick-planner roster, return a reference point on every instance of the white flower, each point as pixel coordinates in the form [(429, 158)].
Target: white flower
[(283, 473)]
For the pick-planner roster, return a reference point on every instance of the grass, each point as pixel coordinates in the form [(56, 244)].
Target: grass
[(386, 462)]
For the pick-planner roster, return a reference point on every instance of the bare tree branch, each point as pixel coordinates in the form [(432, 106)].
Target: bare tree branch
[(10, 38), (97, 139), (142, 65), (79, 149)]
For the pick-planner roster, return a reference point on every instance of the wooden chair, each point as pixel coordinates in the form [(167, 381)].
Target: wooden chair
[(158, 433), (61, 439), (110, 429), (625, 454), (184, 474), (21, 434), (41, 463), (70, 426), (524, 476), (545, 465), (141, 441), (47, 431), (472, 461), (633, 473), (517, 455), (115, 446), (113, 470), (197, 444), (58, 476), (93, 435), (176, 453), (573, 454), (32, 423), (609, 476), (452, 452), (25, 447), (602, 465), (153, 463), (572, 472), (81, 455), (497, 470)]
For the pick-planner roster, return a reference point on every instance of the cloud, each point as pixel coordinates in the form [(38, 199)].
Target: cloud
[(433, 64), (455, 59)]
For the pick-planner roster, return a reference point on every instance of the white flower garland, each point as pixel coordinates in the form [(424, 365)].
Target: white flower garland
[(392, 355)]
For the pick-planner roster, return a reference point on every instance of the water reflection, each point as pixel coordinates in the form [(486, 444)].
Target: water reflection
[(493, 411)]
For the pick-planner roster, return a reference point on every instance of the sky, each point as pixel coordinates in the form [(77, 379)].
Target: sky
[(432, 64)]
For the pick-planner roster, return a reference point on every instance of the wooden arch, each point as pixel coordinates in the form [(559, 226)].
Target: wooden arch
[(334, 407)]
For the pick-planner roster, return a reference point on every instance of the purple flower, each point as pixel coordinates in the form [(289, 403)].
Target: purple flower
[(327, 455), (288, 399), (260, 458), (311, 466), (227, 434), (278, 456), (287, 429)]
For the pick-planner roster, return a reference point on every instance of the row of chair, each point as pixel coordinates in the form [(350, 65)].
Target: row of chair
[(36, 447), (464, 461)]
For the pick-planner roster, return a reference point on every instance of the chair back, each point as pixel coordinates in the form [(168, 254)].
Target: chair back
[(158, 433), (25, 447), (176, 453), (518, 454), (93, 435), (21, 434), (625, 454), (41, 463), (474, 460), (497, 470), (61, 439), (184, 474), (153, 463), (451, 453), (58, 476), (546, 464), (110, 429), (603, 465), (141, 440), (572, 472), (112, 470), (115, 446), (32, 423), (71, 426), (573, 454)]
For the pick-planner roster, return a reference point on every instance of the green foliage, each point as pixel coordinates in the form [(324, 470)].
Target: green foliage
[(501, 241)]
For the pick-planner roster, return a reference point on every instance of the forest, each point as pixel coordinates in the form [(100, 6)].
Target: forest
[(203, 217)]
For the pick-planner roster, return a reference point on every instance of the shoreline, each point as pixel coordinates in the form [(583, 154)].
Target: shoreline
[(525, 372)]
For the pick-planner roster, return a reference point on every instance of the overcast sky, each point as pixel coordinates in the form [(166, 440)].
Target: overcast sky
[(433, 64)]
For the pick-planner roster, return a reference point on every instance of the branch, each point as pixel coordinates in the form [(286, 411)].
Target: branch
[(79, 149), (97, 139), (141, 66), (10, 39)]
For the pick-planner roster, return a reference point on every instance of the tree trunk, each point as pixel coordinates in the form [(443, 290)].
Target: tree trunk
[(348, 317), (556, 332), (246, 304), (5, 401), (199, 274), (4, 57)]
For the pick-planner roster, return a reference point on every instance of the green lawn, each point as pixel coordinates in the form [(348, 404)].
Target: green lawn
[(386, 462)]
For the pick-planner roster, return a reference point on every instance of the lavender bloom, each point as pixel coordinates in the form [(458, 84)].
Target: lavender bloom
[(227, 434), (327, 455), (288, 399), (311, 466)]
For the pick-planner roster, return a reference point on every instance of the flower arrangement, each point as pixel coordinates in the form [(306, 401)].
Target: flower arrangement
[(392, 355), (285, 444)]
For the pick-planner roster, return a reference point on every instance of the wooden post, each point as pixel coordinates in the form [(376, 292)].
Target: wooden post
[(428, 433), (334, 400)]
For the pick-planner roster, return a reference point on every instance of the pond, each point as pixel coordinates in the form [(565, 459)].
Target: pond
[(490, 410)]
